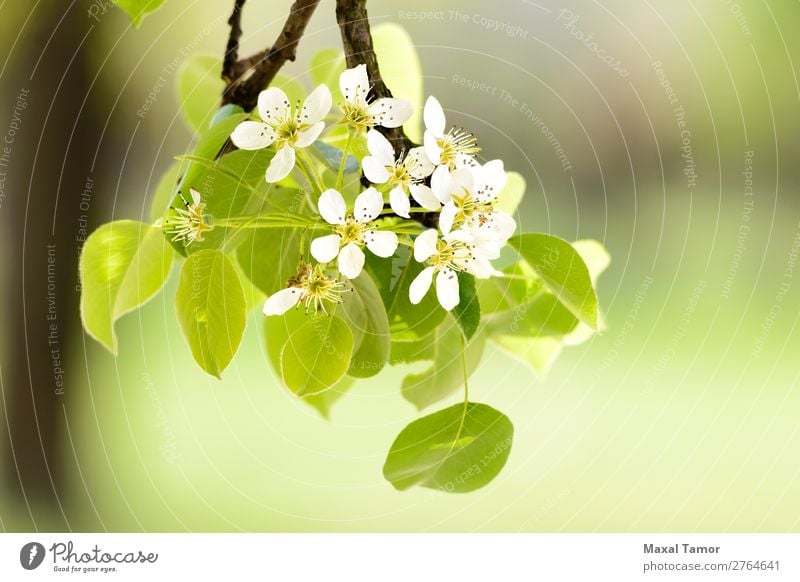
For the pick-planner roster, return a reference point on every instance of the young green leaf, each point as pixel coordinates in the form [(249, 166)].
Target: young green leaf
[(446, 373), (164, 192), (509, 199), (316, 355), (211, 309), (123, 264), (562, 270), (401, 70), (538, 353), (468, 310), (541, 316), (458, 449), (137, 9), (199, 88), (372, 353)]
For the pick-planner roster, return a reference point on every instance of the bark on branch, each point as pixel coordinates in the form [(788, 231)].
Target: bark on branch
[(248, 77), (351, 15)]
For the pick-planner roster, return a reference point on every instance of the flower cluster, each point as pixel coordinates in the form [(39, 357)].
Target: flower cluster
[(441, 180)]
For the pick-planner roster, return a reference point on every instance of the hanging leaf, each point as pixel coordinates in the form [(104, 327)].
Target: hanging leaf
[(211, 309), (137, 9), (123, 264), (373, 347), (316, 355), (458, 449), (562, 271), (468, 310), (199, 88)]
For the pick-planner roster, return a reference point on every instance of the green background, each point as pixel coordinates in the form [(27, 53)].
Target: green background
[(682, 416)]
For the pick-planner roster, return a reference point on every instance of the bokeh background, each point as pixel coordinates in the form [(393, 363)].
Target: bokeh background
[(682, 416)]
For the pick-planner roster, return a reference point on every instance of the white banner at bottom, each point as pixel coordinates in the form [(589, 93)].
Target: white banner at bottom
[(406, 557)]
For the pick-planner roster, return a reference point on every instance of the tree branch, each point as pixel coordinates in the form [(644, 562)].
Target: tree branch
[(353, 21), (243, 89), (232, 50)]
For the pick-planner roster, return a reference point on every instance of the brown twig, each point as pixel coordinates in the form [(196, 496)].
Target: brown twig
[(353, 21), (249, 76), (232, 50)]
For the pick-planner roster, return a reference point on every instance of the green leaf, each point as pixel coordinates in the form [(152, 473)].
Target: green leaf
[(541, 316), (137, 9), (277, 330), (123, 264), (539, 353), (401, 70), (509, 199), (211, 309), (393, 277), (316, 355), (164, 192), (446, 373), (457, 450), (199, 89), (333, 158), (562, 271), (372, 353), (468, 310), (326, 66)]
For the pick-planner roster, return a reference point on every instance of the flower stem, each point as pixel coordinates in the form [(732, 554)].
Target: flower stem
[(311, 172), (343, 163)]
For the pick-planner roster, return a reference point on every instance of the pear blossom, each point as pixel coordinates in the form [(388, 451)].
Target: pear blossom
[(287, 128), (457, 251), (403, 174), (310, 286), (188, 224), (469, 195), (352, 231), (454, 148), (386, 112)]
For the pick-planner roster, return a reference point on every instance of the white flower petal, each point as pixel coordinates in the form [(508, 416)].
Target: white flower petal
[(380, 147), (331, 207), (447, 217), (381, 243), (273, 105), (490, 180), (354, 84), (504, 224), (433, 115), (316, 105), (462, 179), (282, 301), (432, 149), (374, 169), (351, 260), (368, 205), (465, 161), (195, 196), (325, 248), (447, 289), (390, 112), (252, 135), (420, 285), (281, 164), (399, 202), (481, 268), (424, 197), (425, 245), (442, 184), (309, 135), (418, 165)]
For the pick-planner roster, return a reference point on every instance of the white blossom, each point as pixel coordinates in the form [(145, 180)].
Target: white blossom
[(352, 231), (310, 286), (286, 127), (404, 174), (454, 148), (469, 195), (456, 251), (358, 112), (189, 223)]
